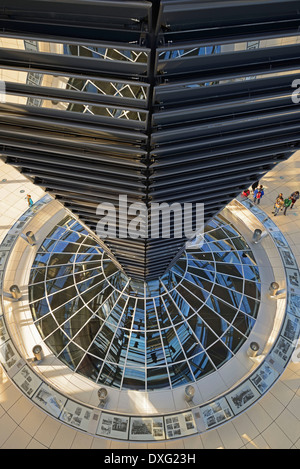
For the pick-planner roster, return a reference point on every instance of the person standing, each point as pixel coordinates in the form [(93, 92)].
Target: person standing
[(258, 194), (287, 203), (295, 197), (278, 205), (29, 200), (280, 196)]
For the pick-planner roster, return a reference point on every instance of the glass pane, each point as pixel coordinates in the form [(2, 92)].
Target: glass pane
[(157, 378), (72, 356), (172, 347), (57, 341), (154, 347), (111, 375), (201, 366), (134, 378), (180, 374), (46, 325), (188, 341), (90, 367), (219, 354)]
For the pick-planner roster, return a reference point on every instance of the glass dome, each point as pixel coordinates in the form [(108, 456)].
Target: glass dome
[(127, 334)]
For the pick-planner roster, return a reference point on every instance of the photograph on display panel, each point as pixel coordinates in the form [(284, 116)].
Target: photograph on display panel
[(180, 425), (280, 354), (115, 426), (294, 304), (291, 327), (242, 397), (77, 415), (9, 355), (50, 400), (264, 377), (146, 428), (216, 412), (27, 381)]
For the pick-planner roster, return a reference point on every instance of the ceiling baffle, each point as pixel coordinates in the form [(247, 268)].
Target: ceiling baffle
[(162, 101)]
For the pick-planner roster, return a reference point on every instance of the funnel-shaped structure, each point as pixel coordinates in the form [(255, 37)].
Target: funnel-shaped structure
[(160, 101)]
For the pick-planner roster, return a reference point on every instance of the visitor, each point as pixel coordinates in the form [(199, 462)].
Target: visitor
[(278, 205), (246, 193), (279, 201), (258, 194), (295, 197), (29, 200), (280, 196), (287, 204)]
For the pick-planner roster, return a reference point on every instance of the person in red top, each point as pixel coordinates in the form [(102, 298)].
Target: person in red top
[(258, 194), (246, 193), (295, 197)]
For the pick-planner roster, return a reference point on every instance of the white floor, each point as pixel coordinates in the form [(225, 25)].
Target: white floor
[(274, 422)]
